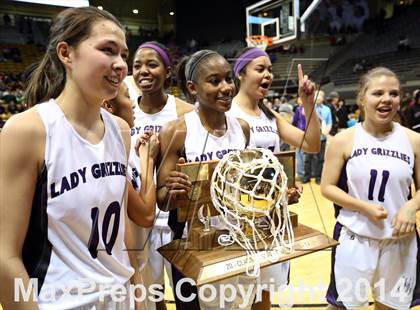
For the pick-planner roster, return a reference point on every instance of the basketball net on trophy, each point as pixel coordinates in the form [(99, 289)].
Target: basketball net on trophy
[(249, 189)]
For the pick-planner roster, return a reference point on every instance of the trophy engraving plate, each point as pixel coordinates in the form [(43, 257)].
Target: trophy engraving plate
[(237, 265)]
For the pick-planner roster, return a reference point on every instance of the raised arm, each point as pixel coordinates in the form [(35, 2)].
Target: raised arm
[(22, 144), (170, 182), (142, 205), (336, 154), (137, 211), (294, 136)]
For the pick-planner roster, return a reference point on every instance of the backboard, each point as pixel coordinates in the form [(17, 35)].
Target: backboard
[(277, 19)]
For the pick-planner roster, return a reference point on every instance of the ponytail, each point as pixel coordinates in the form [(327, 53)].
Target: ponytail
[(189, 67), (47, 81), (267, 112), (72, 26), (182, 80)]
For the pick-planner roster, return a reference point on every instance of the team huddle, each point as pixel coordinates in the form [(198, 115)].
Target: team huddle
[(89, 174)]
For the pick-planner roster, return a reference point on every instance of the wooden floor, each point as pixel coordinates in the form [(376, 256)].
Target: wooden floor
[(310, 273)]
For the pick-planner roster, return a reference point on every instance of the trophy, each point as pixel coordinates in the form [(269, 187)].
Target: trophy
[(238, 219)]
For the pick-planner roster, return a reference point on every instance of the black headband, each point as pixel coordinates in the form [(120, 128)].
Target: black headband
[(191, 65)]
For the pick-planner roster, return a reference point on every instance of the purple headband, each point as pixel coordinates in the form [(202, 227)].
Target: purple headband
[(246, 58), (158, 50)]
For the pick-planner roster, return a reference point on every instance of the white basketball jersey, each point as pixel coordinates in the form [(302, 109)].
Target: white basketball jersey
[(149, 122), (200, 145), (75, 238), (379, 171), (264, 132)]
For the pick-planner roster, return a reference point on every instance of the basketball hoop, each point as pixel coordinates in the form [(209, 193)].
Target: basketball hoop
[(259, 41)]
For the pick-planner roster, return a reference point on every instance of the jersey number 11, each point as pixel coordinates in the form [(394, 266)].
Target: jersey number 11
[(373, 175)]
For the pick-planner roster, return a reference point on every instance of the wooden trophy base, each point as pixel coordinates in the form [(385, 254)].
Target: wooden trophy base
[(200, 257), (217, 262)]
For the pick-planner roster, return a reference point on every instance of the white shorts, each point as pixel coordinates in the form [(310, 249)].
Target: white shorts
[(147, 241), (151, 263), (140, 236), (159, 237), (386, 267)]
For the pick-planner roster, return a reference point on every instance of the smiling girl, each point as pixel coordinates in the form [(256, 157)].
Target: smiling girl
[(368, 171), (205, 77), (63, 165), (155, 107)]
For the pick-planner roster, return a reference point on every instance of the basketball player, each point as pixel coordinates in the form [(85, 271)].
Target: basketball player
[(254, 71), (204, 134), (63, 167), (154, 108), (368, 171), (145, 200)]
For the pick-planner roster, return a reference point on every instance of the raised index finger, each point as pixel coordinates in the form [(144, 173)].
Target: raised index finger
[(300, 73)]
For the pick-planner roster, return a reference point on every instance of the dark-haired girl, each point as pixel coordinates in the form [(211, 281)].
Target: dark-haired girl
[(155, 107), (206, 78), (63, 173), (253, 69)]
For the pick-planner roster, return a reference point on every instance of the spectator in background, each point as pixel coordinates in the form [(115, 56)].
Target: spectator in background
[(404, 43), (415, 92), (273, 57), (192, 45), (342, 114), (358, 68), (285, 106), (403, 110), (299, 121), (332, 103), (276, 104), (413, 114), (7, 20), (314, 162), (268, 103)]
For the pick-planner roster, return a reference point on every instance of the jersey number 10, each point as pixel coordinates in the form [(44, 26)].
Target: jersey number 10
[(113, 209)]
